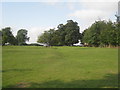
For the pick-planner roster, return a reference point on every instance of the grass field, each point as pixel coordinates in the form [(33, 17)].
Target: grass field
[(59, 67)]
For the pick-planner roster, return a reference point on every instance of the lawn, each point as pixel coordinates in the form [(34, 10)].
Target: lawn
[(59, 67)]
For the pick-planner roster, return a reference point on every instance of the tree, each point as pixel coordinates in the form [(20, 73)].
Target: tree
[(102, 33), (7, 36), (112, 40), (67, 34), (60, 34), (22, 37), (46, 37), (108, 35), (72, 33), (86, 37)]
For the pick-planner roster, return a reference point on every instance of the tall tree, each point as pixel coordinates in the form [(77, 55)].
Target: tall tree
[(61, 34), (102, 33), (46, 37), (67, 34), (72, 32), (7, 36), (22, 37)]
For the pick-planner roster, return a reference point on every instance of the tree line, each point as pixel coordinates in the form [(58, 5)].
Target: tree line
[(8, 37), (99, 34), (102, 34)]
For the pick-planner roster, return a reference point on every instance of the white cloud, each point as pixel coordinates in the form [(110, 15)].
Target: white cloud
[(70, 6), (105, 6), (92, 11), (34, 32), (88, 14)]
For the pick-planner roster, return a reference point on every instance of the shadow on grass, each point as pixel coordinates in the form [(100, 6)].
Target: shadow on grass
[(16, 70), (109, 81)]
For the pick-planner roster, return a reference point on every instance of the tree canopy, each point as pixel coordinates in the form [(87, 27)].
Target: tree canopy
[(99, 34), (8, 37), (22, 37), (67, 34), (102, 33)]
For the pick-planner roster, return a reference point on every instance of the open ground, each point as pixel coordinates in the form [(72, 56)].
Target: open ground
[(59, 67)]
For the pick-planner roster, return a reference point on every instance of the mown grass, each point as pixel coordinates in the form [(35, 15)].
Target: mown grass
[(59, 67)]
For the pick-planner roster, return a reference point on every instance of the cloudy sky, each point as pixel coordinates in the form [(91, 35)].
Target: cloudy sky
[(39, 15)]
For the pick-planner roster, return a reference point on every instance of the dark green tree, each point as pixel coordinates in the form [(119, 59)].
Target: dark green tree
[(72, 33), (102, 33), (7, 36), (67, 34), (47, 37), (22, 37), (61, 34)]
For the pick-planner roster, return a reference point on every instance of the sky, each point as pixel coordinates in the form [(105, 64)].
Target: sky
[(40, 15)]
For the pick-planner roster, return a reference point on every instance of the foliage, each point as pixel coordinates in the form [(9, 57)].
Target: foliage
[(22, 36), (47, 37), (72, 32), (102, 33), (67, 34), (99, 34), (7, 36)]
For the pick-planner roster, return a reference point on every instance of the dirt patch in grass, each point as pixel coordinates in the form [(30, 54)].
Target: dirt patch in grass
[(22, 85)]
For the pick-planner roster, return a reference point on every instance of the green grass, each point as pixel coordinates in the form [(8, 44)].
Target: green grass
[(59, 67)]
